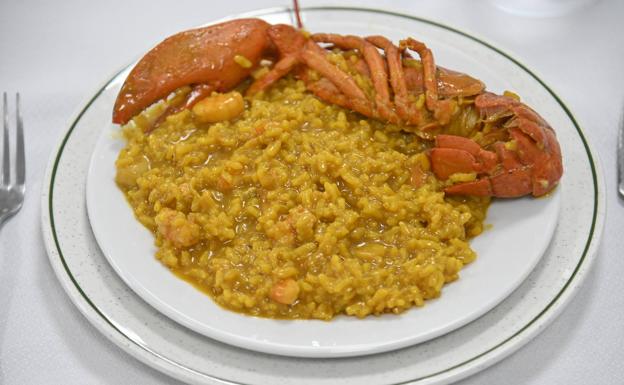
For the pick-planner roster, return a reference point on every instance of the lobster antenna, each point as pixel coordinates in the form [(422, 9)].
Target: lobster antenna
[(297, 14)]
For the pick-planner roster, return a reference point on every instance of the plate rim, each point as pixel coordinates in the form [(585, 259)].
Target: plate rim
[(505, 347)]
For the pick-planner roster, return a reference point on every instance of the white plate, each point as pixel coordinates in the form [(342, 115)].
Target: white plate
[(522, 229), (146, 334)]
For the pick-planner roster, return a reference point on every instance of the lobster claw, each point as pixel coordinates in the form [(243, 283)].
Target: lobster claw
[(210, 56)]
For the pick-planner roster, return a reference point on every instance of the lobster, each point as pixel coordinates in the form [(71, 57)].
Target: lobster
[(499, 145)]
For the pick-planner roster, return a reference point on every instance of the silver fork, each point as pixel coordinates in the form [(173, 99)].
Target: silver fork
[(12, 190), (620, 158)]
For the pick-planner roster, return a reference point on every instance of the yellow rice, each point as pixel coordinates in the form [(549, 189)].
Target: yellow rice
[(298, 191)]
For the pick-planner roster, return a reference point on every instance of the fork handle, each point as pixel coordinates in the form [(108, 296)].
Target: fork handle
[(620, 159)]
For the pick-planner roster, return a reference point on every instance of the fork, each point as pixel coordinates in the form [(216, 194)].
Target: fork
[(620, 158), (12, 191)]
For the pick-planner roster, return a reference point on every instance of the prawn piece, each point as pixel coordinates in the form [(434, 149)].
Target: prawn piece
[(219, 107), (176, 228), (285, 291)]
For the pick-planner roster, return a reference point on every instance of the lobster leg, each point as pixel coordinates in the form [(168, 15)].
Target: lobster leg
[(442, 109), (288, 42), (376, 68), (327, 91), (406, 111), (281, 69), (335, 86), (429, 69), (317, 61), (313, 56), (373, 59), (294, 49)]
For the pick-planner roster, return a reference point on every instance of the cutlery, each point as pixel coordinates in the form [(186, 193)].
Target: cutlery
[(12, 189), (620, 159)]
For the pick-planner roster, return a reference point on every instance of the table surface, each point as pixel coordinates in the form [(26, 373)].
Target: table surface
[(56, 53)]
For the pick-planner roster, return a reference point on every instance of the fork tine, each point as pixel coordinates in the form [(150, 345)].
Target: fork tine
[(6, 161), (20, 159)]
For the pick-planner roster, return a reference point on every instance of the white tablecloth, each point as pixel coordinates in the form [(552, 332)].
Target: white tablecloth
[(57, 53)]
